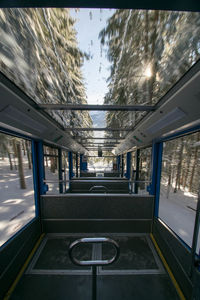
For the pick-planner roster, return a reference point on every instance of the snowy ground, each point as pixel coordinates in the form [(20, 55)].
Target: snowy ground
[(17, 206), (100, 167), (178, 212)]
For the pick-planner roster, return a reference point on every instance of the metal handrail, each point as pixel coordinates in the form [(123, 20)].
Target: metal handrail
[(98, 240), (103, 180), (96, 187), (94, 263)]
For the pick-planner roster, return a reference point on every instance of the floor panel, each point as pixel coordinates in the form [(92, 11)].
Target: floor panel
[(138, 274)]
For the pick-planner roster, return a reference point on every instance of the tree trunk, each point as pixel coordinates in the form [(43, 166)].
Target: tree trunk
[(178, 174), (9, 155), (193, 169), (28, 155), (15, 152), (24, 147), (170, 174), (20, 167), (52, 159)]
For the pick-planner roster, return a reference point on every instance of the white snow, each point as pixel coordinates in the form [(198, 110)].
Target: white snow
[(17, 206), (179, 212)]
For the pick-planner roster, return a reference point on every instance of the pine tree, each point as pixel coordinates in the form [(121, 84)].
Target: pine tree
[(45, 44)]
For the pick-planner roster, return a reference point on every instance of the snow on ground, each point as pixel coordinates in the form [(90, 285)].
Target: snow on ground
[(17, 206), (100, 166), (179, 212)]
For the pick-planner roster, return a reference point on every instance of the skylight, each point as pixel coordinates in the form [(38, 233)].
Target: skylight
[(97, 56)]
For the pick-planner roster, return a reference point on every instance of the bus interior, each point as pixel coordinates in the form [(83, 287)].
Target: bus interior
[(99, 150)]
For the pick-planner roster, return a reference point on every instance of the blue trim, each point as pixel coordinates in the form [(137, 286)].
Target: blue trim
[(118, 163), (128, 165), (77, 165), (179, 133), (43, 188), (122, 165), (81, 162), (154, 163), (16, 134), (137, 170), (158, 166), (60, 173), (70, 165), (83, 165), (35, 177)]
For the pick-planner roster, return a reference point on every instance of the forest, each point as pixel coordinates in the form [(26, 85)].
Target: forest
[(149, 51), (40, 54)]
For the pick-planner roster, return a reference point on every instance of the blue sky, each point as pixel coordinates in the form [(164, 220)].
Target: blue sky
[(89, 23)]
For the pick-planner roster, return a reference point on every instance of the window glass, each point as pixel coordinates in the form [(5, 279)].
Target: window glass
[(17, 203), (125, 164), (51, 169), (180, 184), (74, 164), (144, 170), (100, 164), (65, 170), (133, 168)]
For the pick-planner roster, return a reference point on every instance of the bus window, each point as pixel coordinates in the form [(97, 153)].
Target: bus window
[(65, 170), (51, 169), (180, 184), (144, 170), (17, 204)]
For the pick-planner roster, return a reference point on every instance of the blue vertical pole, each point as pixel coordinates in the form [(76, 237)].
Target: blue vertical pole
[(43, 188), (76, 164), (81, 162), (128, 165), (122, 170), (137, 170), (35, 177), (38, 173), (70, 165), (157, 150), (60, 170), (118, 163)]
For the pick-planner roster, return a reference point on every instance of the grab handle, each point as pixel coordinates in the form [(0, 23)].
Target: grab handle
[(98, 187), (94, 262)]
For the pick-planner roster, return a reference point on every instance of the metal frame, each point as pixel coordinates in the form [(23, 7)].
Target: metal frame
[(60, 169), (97, 129), (70, 165), (157, 170), (137, 170), (189, 5), (106, 144), (99, 138), (103, 107), (128, 165), (35, 177)]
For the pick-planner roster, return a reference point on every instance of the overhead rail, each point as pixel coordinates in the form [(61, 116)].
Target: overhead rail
[(106, 144), (103, 107), (99, 138), (97, 129)]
